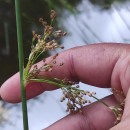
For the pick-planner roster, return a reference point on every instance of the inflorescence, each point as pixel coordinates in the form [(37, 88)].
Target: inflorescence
[(75, 98), (71, 93), (43, 44)]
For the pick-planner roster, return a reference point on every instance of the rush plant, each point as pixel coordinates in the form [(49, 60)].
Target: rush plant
[(42, 43)]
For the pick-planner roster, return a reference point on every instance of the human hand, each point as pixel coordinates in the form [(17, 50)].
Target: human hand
[(101, 65)]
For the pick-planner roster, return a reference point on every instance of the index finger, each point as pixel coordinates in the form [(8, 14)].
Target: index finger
[(91, 64)]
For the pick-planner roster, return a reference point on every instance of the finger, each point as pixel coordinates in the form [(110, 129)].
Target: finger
[(93, 64), (95, 116)]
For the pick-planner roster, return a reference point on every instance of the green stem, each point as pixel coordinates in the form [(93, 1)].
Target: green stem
[(21, 64), (48, 81), (100, 101), (52, 22)]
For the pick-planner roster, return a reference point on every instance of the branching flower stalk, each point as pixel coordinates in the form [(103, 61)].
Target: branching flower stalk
[(71, 92)]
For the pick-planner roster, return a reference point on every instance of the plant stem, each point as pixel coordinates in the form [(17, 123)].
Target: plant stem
[(21, 64), (100, 101), (47, 81)]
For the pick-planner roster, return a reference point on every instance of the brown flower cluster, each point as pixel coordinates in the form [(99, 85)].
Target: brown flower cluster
[(74, 96), (43, 43), (118, 111), (46, 67)]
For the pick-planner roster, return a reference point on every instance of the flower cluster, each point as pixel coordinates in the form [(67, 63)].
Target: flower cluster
[(46, 67), (75, 98), (117, 92), (41, 44), (118, 111)]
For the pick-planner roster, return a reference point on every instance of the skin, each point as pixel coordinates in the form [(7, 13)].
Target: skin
[(101, 65)]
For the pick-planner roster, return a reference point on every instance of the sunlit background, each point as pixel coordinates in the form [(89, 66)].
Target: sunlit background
[(86, 21)]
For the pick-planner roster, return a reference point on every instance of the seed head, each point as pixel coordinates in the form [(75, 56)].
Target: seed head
[(48, 29), (75, 97), (41, 20), (52, 14)]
